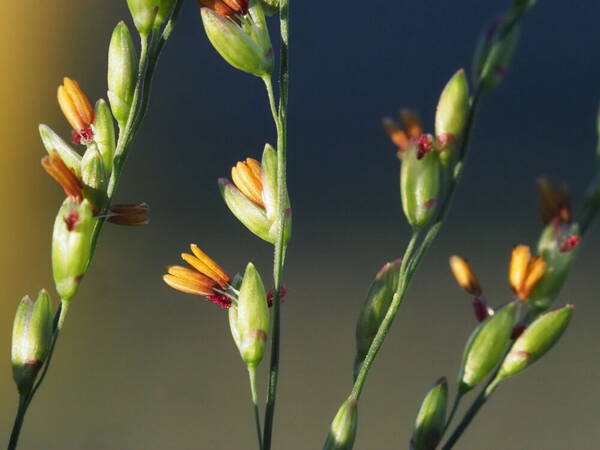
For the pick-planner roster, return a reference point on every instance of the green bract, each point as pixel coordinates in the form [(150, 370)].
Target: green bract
[(249, 213), (242, 47), (431, 419), (149, 14), (419, 186), (104, 134), (377, 302), (343, 428), (31, 339), (486, 347), (493, 56), (451, 113), (53, 142), (249, 318), (71, 245), (94, 177), (122, 72), (535, 341), (558, 263)]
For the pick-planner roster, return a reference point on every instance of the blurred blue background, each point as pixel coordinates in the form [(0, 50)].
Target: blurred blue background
[(140, 366)]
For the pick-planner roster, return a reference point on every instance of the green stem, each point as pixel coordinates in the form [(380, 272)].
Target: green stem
[(18, 424), (386, 324), (282, 206), (457, 399), (481, 399), (272, 102), (252, 376)]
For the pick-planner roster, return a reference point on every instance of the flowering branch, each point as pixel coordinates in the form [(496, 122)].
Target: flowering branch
[(89, 183), (426, 161)]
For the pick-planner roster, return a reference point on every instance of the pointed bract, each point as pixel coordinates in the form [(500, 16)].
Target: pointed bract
[(429, 425), (235, 45), (71, 245), (486, 347), (342, 432), (31, 339), (536, 341), (122, 72), (251, 318)]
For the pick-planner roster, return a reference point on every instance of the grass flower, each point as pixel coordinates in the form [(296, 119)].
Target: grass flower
[(554, 202), (247, 177), (205, 278), (132, 215), (404, 131), (464, 275), (525, 271), (227, 8), (77, 109), (57, 169)]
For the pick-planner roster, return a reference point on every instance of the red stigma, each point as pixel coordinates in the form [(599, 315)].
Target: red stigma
[(71, 220), (271, 294), (83, 137), (569, 243), (221, 300), (424, 145)]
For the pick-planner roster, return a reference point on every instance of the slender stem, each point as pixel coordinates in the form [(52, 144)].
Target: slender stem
[(457, 399), (272, 102), (282, 211), (18, 424), (481, 399), (388, 319), (252, 376)]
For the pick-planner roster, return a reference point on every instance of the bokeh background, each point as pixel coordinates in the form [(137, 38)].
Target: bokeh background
[(140, 366)]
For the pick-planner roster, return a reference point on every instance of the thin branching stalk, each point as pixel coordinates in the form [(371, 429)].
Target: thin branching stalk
[(281, 121), (252, 377), (481, 399)]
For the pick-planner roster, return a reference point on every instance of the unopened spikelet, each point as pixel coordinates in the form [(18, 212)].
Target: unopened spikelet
[(377, 302), (342, 432), (94, 177), (494, 54), (536, 341), (429, 425), (247, 46), (122, 72), (249, 320), (486, 347), (451, 115), (148, 14), (104, 132), (419, 185), (558, 258), (71, 245), (54, 143), (31, 339)]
